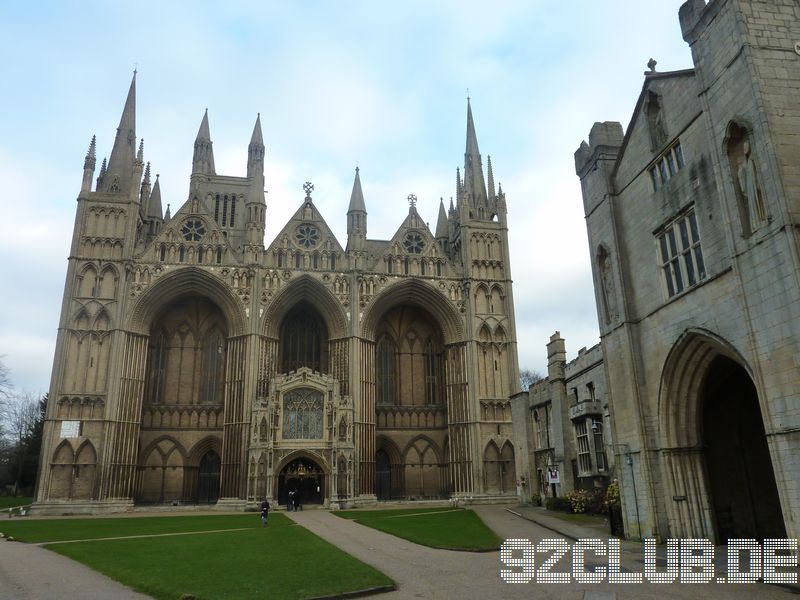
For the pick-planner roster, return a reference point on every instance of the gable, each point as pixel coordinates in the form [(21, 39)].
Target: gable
[(306, 231)]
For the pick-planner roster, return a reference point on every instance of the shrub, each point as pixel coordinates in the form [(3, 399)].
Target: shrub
[(536, 500), (612, 495), (561, 504), (578, 500)]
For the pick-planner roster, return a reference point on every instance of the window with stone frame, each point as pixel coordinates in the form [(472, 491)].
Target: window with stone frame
[(302, 415), (584, 450), (666, 166), (680, 253), (599, 445)]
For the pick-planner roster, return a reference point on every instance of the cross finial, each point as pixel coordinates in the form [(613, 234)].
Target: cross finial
[(651, 64), (467, 94), (308, 187), (412, 200)]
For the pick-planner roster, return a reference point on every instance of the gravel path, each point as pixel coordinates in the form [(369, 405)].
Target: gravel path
[(29, 572)]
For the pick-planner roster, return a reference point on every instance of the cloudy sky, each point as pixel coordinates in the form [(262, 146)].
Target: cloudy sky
[(338, 84)]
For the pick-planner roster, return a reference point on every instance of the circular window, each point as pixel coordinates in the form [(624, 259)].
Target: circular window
[(414, 243), (307, 235), (193, 230)]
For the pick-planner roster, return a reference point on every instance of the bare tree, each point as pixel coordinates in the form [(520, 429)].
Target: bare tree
[(528, 377), (19, 415), (5, 381)]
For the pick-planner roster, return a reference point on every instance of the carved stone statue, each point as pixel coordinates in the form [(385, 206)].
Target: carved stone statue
[(607, 284), (749, 183)]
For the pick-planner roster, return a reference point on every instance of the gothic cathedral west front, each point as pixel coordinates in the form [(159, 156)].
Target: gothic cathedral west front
[(195, 365)]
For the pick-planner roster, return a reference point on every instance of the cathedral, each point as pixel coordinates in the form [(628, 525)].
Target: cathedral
[(196, 364)]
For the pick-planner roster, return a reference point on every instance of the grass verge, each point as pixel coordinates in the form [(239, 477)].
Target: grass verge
[(451, 529), (280, 561)]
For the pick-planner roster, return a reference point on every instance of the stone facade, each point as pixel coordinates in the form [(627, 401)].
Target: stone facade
[(692, 221), (562, 423), (195, 364)]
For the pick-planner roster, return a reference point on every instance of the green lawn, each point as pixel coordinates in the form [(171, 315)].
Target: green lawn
[(282, 560), (11, 501), (447, 528)]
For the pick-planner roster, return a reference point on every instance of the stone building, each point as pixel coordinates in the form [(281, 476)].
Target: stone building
[(562, 424), (195, 364), (692, 219)]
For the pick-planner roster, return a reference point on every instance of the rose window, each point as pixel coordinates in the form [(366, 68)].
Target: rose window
[(414, 243), (193, 230), (307, 236)]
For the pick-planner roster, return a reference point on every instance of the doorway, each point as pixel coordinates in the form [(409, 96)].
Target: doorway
[(744, 495), (304, 477)]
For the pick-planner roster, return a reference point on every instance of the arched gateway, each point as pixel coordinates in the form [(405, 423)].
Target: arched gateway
[(716, 456)]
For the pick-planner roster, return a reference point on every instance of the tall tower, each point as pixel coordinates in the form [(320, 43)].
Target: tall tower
[(356, 221)]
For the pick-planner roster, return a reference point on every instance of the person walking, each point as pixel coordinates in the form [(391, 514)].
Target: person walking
[(290, 501), (264, 512)]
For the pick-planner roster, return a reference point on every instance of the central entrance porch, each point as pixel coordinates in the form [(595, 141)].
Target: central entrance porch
[(304, 477)]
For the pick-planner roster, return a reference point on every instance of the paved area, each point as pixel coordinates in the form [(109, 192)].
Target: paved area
[(422, 572), (29, 572)]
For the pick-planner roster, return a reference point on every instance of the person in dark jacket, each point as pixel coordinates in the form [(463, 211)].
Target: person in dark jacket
[(264, 512)]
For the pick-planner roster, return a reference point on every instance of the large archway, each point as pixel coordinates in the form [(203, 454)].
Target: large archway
[(304, 478), (744, 495), (718, 474)]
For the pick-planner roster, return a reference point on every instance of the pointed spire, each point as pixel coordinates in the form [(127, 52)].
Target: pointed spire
[(458, 184), (123, 155), (140, 153), (203, 159), (167, 215), (442, 226), (102, 174), (89, 162), (255, 152), (357, 196), (204, 133), (490, 176), (144, 191), (257, 139), (452, 208), (473, 169), (154, 204)]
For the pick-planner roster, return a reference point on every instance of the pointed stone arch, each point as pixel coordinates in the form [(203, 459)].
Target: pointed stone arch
[(414, 292), (492, 468), (107, 282), (305, 288), (86, 281), (712, 422), (184, 282), (481, 299)]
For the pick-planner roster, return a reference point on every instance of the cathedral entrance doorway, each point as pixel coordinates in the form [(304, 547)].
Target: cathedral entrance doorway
[(208, 478), (305, 478), (744, 495)]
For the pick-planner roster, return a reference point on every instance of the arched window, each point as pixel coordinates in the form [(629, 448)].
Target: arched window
[(389, 265), (213, 353), (163, 253), (303, 340), (387, 369), (200, 254), (315, 260), (333, 261), (219, 255), (216, 209), (423, 268), (405, 266), (431, 374), (181, 253), (225, 210), (280, 259), (302, 415), (233, 209), (297, 260)]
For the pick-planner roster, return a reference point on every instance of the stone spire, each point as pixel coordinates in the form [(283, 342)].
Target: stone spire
[(255, 151), (88, 165), (144, 192), (203, 159), (458, 184), (473, 169), (167, 215), (357, 196), (119, 175), (490, 176), (102, 174), (442, 225), (154, 203), (356, 217)]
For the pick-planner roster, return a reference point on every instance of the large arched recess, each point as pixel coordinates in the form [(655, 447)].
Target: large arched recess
[(308, 289), (414, 292), (188, 281), (705, 382)]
